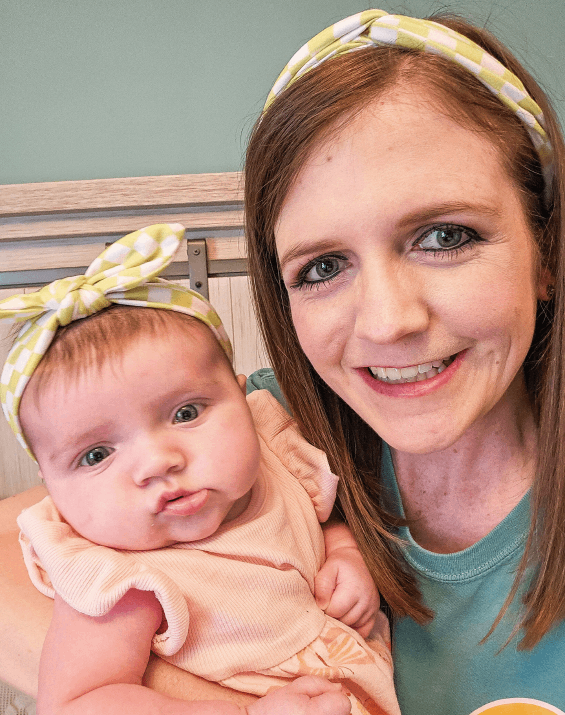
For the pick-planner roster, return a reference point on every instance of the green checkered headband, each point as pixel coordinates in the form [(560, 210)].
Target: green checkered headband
[(376, 28), (126, 274)]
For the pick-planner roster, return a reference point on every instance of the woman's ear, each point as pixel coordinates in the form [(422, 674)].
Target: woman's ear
[(546, 285)]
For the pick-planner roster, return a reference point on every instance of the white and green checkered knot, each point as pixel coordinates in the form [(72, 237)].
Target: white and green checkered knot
[(126, 274), (376, 27)]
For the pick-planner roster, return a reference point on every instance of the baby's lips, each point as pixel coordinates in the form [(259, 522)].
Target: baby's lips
[(186, 504)]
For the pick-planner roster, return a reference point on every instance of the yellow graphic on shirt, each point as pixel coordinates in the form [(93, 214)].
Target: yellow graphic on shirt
[(518, 706)]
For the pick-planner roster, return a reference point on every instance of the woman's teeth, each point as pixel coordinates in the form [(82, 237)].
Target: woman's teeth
[(413, 373)]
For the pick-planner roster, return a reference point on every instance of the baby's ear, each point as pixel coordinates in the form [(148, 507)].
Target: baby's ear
[(242, 382)]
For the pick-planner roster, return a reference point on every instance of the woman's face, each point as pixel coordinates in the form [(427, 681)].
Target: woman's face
[(411, 272)]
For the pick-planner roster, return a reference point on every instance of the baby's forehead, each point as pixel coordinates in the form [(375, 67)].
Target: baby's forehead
[(83, 351), (109, 334), (148, 379)]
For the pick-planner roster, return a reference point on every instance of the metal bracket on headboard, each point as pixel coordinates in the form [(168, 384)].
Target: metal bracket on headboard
[(54, 230), (198, 266)]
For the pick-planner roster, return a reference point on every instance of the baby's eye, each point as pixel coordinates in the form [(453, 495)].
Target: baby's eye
[(95, 456), (186, 413)]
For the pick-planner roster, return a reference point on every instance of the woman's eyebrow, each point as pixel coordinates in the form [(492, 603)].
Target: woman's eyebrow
[(420, 215), (305, 248), (430, 213)]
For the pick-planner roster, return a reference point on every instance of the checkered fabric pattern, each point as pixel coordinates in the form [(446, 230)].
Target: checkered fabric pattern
[(376, 27), (125, 273)]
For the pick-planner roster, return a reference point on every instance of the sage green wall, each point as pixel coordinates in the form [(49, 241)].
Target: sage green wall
[(108, 88)]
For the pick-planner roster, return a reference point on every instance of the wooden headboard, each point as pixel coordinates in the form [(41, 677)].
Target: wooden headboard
[(55, 229)]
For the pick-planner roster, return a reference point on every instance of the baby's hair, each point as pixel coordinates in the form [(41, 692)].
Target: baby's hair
[(89, 343)]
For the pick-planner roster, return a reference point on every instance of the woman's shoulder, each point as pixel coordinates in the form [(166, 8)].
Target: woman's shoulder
[(264, 379)]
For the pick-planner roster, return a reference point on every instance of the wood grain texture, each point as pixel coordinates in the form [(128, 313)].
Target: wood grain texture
[(63, 252), (108, 225), (136, 192)]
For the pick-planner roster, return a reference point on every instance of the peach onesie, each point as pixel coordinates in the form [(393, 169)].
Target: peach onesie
[(238, 606)]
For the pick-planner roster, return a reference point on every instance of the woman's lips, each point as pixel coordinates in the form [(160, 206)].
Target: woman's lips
[(184, 504), (413, 389)]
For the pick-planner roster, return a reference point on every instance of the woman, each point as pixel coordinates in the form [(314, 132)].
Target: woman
[(404, 218), (361, 175)]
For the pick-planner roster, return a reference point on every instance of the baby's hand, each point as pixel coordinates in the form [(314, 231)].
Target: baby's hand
[(345, 590), (309, 695)]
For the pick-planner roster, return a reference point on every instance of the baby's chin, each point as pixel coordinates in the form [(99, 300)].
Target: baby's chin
[(238, 507)]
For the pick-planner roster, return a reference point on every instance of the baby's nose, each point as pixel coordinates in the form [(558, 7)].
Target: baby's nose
[(159, 459)]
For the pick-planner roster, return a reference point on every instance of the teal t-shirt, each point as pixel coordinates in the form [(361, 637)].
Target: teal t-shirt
[(442, 668)]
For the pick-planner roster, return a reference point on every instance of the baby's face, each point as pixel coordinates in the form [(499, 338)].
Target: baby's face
[(152, 449)]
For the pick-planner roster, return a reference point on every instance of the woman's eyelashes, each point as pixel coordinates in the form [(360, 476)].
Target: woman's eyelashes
[(441, 241), (319, 271), (447, 240), (94, 456)]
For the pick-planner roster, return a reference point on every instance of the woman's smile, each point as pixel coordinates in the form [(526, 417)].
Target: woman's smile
[(412, 373), (431, 376), (401, 288)]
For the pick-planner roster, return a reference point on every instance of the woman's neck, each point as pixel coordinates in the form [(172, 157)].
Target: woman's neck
[(454, 497)]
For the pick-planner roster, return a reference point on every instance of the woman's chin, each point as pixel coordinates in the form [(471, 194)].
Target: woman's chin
[(418, 443), (421, 434)]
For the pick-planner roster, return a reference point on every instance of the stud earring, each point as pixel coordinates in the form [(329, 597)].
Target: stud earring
[(550, 290)]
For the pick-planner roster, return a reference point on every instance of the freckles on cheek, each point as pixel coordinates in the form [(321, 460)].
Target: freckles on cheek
[(311, 333), (304, 324)]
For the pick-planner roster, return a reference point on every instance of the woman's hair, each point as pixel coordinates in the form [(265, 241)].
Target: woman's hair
[(305, 114)]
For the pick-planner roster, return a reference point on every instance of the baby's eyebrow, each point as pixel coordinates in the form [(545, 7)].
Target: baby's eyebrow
[(79, 441)]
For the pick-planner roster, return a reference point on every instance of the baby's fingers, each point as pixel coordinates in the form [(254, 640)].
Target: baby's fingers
[(325, 584), (325, 698), (312, 686), (330, 704), (364, 626)]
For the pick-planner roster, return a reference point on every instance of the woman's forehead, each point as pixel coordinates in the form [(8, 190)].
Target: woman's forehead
[(402, 155)]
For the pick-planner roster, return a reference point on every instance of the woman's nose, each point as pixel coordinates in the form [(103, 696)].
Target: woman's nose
[(158, 458), (390, 303)]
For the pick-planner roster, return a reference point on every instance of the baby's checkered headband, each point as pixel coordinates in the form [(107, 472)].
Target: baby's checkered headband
[(126, 274), (377, 28)]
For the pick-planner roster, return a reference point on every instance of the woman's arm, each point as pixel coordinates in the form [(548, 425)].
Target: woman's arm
[(25, 619), (26, 613), (95, 665)]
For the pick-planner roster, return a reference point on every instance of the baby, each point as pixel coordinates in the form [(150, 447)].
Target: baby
[(182, 518)]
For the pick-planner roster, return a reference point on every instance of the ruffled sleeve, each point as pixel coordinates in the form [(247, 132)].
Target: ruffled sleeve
[(307, 463), (93, 578)]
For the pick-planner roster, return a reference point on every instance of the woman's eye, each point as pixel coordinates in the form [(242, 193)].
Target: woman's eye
[(94, 456), (186, 413), (319, 270), (447, 238)]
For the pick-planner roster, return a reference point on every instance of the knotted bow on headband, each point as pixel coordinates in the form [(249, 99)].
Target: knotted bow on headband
[(125, 273), (376, 27)]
